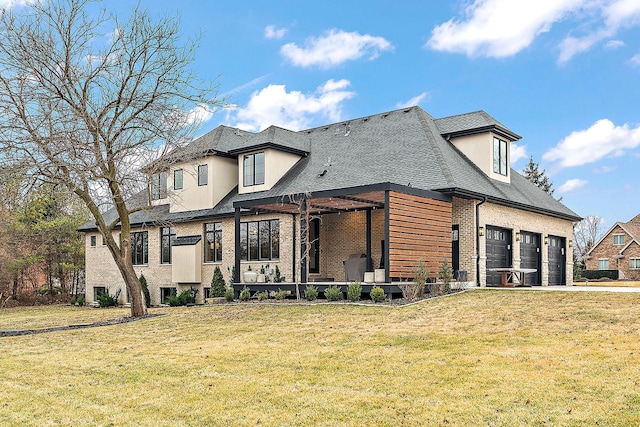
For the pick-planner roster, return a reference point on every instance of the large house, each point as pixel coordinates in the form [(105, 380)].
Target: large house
[(618, 249), (377, 194)]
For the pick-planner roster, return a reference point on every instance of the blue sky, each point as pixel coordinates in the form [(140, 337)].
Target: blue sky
[(563, 74)]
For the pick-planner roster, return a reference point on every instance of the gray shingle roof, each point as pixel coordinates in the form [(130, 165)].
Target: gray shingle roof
[(404, 147)]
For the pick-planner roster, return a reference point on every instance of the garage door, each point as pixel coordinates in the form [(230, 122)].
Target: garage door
[(530, 256), (557, 261), (498, 252)]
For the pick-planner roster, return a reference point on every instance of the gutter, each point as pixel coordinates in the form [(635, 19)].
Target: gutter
[(484, 199)]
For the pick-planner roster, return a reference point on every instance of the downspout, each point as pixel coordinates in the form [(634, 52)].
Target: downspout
[(484, 199)]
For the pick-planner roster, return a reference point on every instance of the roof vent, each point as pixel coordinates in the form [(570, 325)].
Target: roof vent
[(347, 129)]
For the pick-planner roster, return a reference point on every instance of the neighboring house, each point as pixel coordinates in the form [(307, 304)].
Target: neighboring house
[(618, 249), (398, 187)]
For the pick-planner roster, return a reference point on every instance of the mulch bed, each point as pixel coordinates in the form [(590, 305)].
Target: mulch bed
[(117, 321)]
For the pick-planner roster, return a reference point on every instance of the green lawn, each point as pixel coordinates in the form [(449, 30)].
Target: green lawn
[(477, 358)]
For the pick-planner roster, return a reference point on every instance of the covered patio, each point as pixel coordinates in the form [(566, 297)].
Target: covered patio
[(391, 227)]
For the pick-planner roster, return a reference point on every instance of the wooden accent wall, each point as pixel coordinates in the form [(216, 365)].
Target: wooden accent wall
[(419, 229)]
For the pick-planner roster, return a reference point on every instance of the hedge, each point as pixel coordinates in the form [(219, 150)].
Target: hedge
[(599, 274)]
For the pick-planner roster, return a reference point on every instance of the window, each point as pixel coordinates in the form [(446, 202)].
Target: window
[(93, 241), (140, 248), (177, 179), (166, 293), (260, 240), (500, 156), (253, 167), (97, 291), (159, 186), (634, 263), (213, 242), (618, 239), (203, 175), (167, 235), (603, 264)]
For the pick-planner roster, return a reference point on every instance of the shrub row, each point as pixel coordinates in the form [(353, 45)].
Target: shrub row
[(599, 274)]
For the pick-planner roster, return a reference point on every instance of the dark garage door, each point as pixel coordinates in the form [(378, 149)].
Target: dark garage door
[(530, 256), (557, 261), (498, 252)]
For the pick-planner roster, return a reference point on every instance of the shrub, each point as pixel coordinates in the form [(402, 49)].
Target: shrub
[(377, 294), (599, 274), (145, 290), (446, 275), (81, 301), (72, 301), (218, 286), (354, 291), (228, 294), (277, 278), (280, 294), (232, 275), (311, 293), (185, 297), (107, 300), (262, 295), (333, 293), (245, 294), (415, 289)]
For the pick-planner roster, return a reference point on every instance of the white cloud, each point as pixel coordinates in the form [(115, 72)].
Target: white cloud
[(199, 115), (413, 101), (11, 3), (499, 28), (635, 60), (334, 48), (271, 32), (604, 169), (572, 185), (518, 152), (502, 28), (602, 139), (293, 110), (614, 44)]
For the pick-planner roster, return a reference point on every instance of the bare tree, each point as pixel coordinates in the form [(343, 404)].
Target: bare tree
[(585, 234), (86, 100)]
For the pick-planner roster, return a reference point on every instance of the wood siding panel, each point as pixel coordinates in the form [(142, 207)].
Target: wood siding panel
[(419, 230)]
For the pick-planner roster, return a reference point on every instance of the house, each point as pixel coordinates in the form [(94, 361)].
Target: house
[(394, 188), (618, 249)]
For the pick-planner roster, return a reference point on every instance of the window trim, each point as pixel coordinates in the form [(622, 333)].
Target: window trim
[(203, 175), (601, 260), (635, 261), (620, 235), (253, 177), (135, 236), (249, 244), (171, 236), (159, 186), (93, 241), (175, 179), (96, 295), (217, 229), (502, 167)]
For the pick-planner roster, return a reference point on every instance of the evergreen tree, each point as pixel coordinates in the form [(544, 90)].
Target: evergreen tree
[(533, 174), (218, 286)]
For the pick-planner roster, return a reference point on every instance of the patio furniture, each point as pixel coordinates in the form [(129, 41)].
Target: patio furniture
[(355, 267), (509, 273)]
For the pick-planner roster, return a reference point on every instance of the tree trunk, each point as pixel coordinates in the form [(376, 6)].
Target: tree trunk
[(134, 289)]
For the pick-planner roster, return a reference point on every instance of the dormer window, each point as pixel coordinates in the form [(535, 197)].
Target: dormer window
[(500, 156), (203, 175), (253, 169)]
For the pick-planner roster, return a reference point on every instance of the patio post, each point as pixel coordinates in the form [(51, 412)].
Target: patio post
[(368, 241), (304, 237), (236, 269)]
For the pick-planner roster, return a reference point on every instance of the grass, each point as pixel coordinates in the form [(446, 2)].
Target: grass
[(494, 358), (608, 283)]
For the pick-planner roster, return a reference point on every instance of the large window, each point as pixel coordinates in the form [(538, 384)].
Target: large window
[(159, 186), (166, 293), (603, 264), (618, 239), (167, 235), (213, 242), (500, 156), (98, 291), (177, 179), (634, 263), (253, 167), (203, 175), (260, 240), (140, 248)]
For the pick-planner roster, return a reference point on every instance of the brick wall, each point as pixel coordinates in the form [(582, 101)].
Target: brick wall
[(464, 215), (607, 250)]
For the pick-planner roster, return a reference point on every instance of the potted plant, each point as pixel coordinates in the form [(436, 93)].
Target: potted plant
[(261, 275), (250, 276)]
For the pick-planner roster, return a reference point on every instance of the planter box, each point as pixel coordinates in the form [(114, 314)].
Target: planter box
[(379, 275), (250, 277), (369, 276)]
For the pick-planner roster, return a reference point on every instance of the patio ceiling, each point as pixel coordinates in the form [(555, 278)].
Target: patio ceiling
[(325, 204)]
